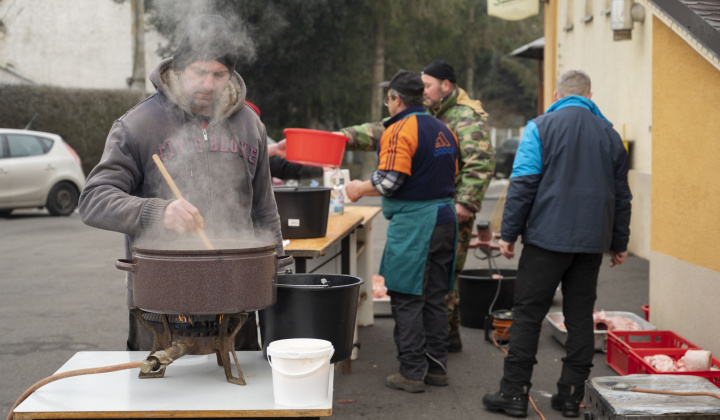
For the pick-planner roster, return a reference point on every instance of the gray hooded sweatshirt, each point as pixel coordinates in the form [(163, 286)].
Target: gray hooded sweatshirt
[(222, 170)]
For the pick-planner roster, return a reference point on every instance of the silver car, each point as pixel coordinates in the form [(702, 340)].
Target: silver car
[(38, 170)]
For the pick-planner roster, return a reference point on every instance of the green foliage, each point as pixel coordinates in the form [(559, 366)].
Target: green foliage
[(81, 116), (308, 63)]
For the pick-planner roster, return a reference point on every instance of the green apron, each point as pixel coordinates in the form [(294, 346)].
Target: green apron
[(408, 243)]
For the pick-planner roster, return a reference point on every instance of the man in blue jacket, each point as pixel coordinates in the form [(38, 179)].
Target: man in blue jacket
[(569, 198)]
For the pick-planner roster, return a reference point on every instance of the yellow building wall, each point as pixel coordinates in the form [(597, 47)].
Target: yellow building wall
[(686, 152), (685, 239)]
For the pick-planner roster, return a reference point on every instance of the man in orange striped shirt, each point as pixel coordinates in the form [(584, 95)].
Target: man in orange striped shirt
[(418, 160)]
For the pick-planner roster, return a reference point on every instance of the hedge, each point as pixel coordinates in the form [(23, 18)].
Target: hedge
[(82, 117)]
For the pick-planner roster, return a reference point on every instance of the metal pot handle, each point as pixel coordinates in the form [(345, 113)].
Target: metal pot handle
[(125, 265), (285, 260)]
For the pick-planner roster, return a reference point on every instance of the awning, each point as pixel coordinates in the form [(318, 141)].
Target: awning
[(532, 50)]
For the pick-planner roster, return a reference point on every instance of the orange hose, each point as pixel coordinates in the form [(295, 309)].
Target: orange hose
[(69, 374)]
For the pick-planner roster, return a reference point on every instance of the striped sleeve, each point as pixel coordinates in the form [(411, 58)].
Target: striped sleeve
[(398, 146)]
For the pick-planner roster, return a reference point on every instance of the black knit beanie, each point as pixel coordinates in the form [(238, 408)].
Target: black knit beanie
[(206, 38), (440, 69)]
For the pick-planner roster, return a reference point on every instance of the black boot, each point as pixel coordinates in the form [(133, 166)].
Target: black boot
[(566, 404), (512, 405), (454, 341)]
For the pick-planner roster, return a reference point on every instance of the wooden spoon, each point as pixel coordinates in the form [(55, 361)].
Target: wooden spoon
[(179, 196)]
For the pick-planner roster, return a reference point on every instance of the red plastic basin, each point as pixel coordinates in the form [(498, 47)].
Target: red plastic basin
[(314, 147)]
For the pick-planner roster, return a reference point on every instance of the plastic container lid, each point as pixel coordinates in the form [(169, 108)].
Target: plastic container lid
[(299, 348)]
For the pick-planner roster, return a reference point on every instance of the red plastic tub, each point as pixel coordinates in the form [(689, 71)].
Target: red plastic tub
[(314, 147), (638, 365), (620, 345)]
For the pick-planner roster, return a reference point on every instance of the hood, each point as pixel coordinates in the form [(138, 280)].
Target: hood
[(464, 99), (577, 100), (458, 97), (167, 82)]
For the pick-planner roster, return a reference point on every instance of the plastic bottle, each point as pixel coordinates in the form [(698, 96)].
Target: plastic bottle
[(337, 196)]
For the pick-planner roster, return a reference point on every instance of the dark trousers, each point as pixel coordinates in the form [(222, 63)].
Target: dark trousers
[(140, 338), (421, 322), (539, 273)]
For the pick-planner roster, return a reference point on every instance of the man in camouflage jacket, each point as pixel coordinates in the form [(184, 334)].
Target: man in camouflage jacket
[(467, 119)]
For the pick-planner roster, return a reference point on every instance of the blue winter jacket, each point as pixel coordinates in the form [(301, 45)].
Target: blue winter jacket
[(568, 189)]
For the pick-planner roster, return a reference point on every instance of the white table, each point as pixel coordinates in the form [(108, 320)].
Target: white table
[(193, 387)]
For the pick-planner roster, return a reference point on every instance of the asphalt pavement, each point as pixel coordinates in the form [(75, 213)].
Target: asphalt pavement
[(61, 294)]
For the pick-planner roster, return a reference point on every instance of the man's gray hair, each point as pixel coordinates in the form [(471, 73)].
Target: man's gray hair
[(573, 82), (408, 100)]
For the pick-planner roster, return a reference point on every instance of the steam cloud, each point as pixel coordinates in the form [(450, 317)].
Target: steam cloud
[(179, 13), (224, 227)]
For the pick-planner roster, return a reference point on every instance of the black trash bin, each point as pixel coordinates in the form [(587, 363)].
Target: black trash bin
[(478, 289), (320, 306)]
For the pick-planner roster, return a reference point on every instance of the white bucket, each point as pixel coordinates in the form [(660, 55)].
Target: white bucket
[(300, 371)]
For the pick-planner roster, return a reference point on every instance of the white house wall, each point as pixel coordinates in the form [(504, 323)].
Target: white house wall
[(622, 87), (72, 43)]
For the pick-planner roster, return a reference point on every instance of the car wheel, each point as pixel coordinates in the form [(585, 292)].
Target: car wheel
[(5, 213), (63, 199)]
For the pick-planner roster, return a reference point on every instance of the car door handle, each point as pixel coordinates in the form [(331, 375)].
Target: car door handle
[(50, 167), (3, 171)]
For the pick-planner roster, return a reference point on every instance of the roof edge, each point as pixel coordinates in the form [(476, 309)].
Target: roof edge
[(704, 38)]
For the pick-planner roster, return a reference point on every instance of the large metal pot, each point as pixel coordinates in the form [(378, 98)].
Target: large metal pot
[(178, 278)]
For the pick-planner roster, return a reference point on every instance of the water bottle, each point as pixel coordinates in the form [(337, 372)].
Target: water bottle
[(337, 196)]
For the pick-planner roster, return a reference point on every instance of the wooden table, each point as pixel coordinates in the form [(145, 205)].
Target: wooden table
[(193, 387)]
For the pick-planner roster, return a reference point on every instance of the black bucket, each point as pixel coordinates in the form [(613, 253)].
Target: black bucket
[(307, 307), (477, 291), (303, 211)]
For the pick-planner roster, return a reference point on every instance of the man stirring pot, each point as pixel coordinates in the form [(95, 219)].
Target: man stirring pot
[(213, 144)]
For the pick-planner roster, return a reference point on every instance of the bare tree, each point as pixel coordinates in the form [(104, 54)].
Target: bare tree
[(137, 80)]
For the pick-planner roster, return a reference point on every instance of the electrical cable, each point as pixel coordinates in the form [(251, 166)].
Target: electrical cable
[(69, 374), (501, 328)]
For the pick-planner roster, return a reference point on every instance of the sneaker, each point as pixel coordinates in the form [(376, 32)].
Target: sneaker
[(398, 381), (436, 379), (514, 406), (567, 407)]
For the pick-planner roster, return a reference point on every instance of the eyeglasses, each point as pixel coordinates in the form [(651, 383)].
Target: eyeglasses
[(386, 100)]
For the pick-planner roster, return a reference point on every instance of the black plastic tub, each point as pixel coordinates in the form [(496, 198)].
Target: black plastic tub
[(320, 306), (303, 211), (477, 291)]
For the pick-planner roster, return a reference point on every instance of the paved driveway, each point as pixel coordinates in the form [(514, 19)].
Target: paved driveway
[(62, 294)]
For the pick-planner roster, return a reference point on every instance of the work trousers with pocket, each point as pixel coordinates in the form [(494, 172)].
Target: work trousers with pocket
[(421, 321), (540, 271)]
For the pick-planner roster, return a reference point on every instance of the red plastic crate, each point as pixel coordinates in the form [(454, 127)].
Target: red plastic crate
[(637, 364), (621, 343)]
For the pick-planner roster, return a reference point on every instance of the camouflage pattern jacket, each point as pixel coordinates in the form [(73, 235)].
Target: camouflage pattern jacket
[(467, 119)]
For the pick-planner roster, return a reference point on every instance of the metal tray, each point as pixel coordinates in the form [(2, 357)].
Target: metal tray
[(381, 307), (554, 319)]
